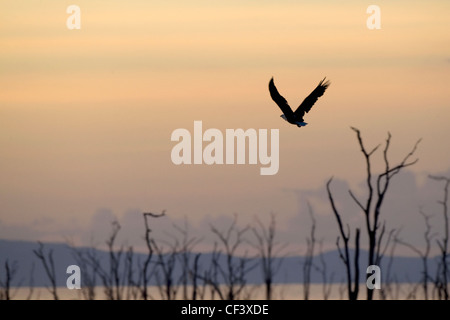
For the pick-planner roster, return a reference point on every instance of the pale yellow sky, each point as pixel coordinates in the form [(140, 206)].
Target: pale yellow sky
[(86, 115)]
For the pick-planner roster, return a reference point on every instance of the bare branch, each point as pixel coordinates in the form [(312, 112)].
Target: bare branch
[(148, 241), (372, 206), (443, 244), (49, 266), (357, 201), (345, 256), (267, 248)]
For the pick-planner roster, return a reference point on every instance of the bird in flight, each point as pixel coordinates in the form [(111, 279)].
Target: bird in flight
[(297, 116)]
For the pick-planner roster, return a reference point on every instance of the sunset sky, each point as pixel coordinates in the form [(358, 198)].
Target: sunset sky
[(86, 115)]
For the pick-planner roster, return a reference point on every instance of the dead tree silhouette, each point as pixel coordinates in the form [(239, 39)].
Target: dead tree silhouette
[(233, 272), (424, 255), (5, 285), (442, 280), (132, 286), (309, 264), (309, 257), (197, 291), (352, 285), (389, 280), (49, 266), (87, 270), (113, 280), (166, 261), (114, 263), (376, 194), (187, 245), (268, 248), (148, 241), (327, 279)]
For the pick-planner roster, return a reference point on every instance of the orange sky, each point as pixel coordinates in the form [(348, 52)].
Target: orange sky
[(86, 115)]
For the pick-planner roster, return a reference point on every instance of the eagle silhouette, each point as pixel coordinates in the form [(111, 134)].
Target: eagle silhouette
[(297, 116)]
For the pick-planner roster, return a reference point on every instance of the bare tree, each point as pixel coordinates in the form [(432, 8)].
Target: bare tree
[(424, 255), (5, 285), (195, 274), (389, 280), (88, 271), (437, 292), (187, 246), (443, 243), (148, 241), (132, 285), (113, 280), (49, 266), (235, 268), (376, 193), (210, 276), (268, 248), (352, 285), (327, 279), (309, 257), (114, 262), (372, 213), (166, 261)]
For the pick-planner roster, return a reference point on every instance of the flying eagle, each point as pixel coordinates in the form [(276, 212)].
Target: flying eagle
[(297, 116)]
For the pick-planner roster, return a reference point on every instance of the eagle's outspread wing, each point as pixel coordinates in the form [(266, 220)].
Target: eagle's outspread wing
[(309, 101), (280, 101)]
